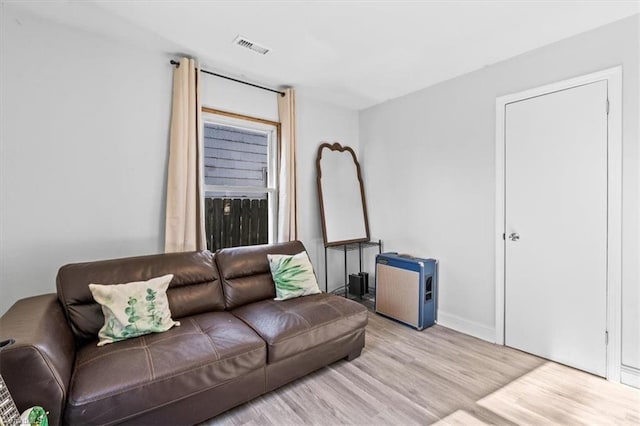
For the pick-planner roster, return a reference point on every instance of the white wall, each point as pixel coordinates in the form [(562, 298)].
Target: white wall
[(230, 96), (84, 141), (83, 151), (430, 172)]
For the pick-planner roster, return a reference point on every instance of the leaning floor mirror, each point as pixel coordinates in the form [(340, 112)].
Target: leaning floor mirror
[(341, 195)]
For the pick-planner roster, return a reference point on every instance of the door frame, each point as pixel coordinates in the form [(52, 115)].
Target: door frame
[(613, 76)]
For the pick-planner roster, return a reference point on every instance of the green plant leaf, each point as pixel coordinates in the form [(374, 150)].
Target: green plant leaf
[(151, 295)]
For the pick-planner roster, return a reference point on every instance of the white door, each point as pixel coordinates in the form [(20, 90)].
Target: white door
[(556, 226)]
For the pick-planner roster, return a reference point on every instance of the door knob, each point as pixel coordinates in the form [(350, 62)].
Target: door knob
[(514, 236)]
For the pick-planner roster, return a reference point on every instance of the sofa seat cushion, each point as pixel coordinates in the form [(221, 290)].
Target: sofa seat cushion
[(296, 325), (119, 381)]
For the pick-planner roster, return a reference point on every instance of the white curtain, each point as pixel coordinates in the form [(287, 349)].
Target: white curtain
[(287, 196), (184, 226)]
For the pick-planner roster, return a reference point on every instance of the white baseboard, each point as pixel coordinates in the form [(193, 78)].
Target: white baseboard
[(630, 376), (466, 326)]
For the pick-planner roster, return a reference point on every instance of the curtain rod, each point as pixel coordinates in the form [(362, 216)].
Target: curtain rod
[(177, 64)]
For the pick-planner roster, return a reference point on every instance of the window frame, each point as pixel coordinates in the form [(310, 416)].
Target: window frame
[(272, 130)]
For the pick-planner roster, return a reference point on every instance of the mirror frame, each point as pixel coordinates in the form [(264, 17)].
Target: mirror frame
[(337, 147)]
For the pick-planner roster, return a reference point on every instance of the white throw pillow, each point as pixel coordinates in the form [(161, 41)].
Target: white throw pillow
[(133, 309), (293, 275)]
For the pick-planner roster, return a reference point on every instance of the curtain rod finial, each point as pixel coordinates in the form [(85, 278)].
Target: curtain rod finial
[(172, 62)]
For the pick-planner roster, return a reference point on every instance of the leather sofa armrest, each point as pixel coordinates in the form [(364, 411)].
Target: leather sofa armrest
[(37, 368)]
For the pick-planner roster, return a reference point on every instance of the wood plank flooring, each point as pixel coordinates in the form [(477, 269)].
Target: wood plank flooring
[(406, 377)]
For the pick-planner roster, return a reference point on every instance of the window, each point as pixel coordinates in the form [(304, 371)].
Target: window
[(240, 180)]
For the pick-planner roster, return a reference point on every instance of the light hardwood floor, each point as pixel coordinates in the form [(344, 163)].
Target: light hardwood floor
[(406, 377)]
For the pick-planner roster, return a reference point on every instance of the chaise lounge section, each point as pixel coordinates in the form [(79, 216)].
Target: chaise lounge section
[(234, 342)]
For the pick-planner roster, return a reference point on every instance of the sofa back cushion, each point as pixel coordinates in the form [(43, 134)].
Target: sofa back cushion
[(194, 289), (245, 273)]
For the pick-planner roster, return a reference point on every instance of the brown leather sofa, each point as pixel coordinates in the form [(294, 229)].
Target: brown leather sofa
[(234, 343)]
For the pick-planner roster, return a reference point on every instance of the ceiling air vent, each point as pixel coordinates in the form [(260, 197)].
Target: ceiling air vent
[(244, 42)]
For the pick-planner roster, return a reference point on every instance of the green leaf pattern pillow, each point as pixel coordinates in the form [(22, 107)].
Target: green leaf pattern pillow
[(292, 275), (133, 309)]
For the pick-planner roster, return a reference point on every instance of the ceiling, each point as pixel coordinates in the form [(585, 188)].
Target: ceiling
[(351, 53)]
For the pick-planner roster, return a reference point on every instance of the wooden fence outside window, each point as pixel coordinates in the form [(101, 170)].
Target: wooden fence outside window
[(233, 222)]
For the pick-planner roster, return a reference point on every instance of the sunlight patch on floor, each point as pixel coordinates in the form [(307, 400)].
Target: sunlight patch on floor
[(545, 395), (461, 418)]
